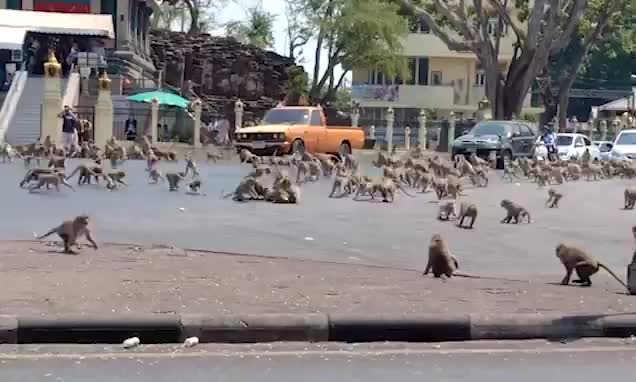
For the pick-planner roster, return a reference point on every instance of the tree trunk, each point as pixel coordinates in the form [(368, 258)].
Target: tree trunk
[(194, 18)]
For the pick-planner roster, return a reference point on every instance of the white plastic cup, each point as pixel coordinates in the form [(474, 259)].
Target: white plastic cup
[(190, 342), (131, 342)]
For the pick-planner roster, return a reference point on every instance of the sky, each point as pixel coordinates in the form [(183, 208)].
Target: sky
[(236, 10)]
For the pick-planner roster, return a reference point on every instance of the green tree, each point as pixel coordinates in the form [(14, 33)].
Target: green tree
[(199, 13), (257, 29), (602, 35), (464, 27), (353, 33)]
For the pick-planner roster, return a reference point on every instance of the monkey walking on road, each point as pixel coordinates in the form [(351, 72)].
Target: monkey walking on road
[(585, 265), (70, 230)]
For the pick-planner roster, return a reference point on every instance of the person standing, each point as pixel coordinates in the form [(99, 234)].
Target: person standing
[(131, 128), (69, 128)]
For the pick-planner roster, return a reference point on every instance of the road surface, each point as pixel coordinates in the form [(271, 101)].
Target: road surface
[(518, 362), (340, 230)]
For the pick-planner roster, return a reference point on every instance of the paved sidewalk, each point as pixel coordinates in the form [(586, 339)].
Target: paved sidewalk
[(38, 279)]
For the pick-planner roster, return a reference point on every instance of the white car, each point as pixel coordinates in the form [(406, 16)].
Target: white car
[(573, 145), (605, 148), (624, 145)]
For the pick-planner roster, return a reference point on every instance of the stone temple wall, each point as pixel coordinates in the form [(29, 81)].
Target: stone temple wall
[(220, 70)]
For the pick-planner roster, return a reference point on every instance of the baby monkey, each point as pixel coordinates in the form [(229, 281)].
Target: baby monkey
[(553, 198), (70, 230)]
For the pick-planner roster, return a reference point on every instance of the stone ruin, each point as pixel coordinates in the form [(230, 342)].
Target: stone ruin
[(219, 71)]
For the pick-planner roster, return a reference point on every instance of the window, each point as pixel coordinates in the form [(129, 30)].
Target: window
[(379, 79), (525, 131), (516, 130), (579, 142), (493, 22), (422, 74), (436, 78), (480, 77), (412, 65), (315, 119), (587, 141), (564, 140)]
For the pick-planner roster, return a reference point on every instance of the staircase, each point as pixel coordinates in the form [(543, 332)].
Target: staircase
[(25, 126), (10, 102)]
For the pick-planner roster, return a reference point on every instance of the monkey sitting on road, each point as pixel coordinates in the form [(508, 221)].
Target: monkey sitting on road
[(440, 261), (585, 265), (630, 198), (553, 198), (70, 230), (446, 210), (174, 179), (248, 189), (515, 211), (194, 188), (51, 179), (467, 210)]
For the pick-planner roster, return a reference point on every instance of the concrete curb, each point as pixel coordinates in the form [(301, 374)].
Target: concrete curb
[(314, 327)]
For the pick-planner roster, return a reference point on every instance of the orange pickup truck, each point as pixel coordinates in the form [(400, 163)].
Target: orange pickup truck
[(290, 129)]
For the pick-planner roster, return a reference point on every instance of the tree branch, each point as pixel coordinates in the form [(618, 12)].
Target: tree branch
[(501, 10), (436, 29), (577, 13)]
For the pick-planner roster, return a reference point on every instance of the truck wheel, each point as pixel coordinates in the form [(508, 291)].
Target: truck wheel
[(298, 146), (506, 155), (345, 149)]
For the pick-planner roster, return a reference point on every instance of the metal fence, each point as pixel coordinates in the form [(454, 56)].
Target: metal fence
[(436, 132)]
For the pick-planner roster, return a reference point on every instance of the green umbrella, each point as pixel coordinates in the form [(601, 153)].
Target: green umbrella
[(164, 98)]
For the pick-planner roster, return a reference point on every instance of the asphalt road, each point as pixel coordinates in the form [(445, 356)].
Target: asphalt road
[(521, 362), (340, 230)]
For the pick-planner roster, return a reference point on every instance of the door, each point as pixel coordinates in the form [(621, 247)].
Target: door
[(517, 140), (594, 150), (312, 131), (528, 139), (579, 146)]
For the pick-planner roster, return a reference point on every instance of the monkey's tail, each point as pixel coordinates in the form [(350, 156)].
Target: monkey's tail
[(224, 195), (51, 232), (601, 265), (74, 172), (403, 189)]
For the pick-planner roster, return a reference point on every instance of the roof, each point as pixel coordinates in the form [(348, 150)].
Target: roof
[(11, 38), (619, 104), (55, 22)]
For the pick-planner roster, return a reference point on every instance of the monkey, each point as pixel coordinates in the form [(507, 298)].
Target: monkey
[(345, 185), (174, 179), (260, 171), (194, 187), (557, 174), (214, 157), (515, 211), (155, 174), (425, 180), (553, 198), (248, 189), (351, 162), (446, 210), (85, 173), (630, 198), (117, 177), (542, 178), (310, 167), (440, 185), (388, 187), (573, 171), (247, 157), (585, 265), (281, 195), (467, 210), (70, 230), (34, 174), (191, 166), (592, 170), (453, 186), (51, 179), (440, 261), (57, 162)]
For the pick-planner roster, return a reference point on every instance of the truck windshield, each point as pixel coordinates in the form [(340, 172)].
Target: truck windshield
[(488, 129), (286, 116)]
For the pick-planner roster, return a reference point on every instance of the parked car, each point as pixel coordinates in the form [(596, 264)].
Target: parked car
[(624, 146), (498, 140), (290, 129), (573, 145), (605, 148)]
